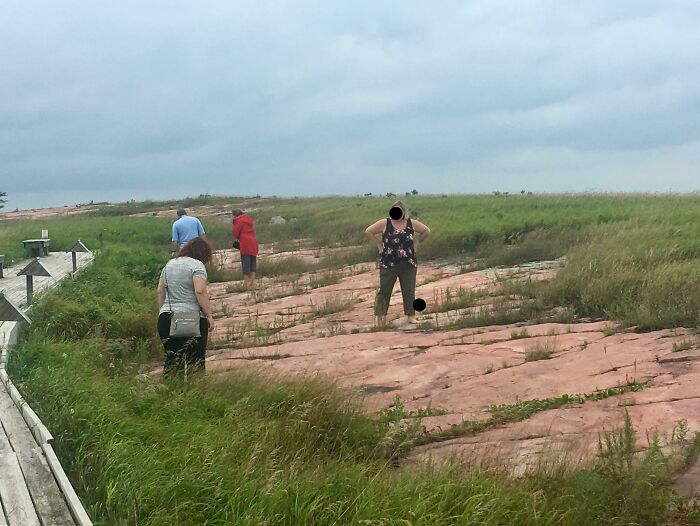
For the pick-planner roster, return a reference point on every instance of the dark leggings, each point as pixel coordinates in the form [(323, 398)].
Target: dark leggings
[(406, 273), (182, 354)]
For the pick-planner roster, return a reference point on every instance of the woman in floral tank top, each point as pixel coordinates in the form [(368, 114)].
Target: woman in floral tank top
[(397, 248)]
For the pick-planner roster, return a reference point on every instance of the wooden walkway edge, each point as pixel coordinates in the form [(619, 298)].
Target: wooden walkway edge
[(34, 488)]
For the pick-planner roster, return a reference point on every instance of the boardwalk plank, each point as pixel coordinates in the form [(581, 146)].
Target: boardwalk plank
[(3, 520), (74, 503), (48, 500), (26, 469), (15, 494), (6, 327), (16, 429), (59, 264), (4, 441)]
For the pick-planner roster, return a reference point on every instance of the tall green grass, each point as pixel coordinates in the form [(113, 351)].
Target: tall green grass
[(647, 276), (255, 449), (150, 234)]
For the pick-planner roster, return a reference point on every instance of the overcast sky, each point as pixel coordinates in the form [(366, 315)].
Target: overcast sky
[(161, 99)]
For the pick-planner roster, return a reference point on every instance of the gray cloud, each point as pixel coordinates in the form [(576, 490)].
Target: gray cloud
[(121, 100)]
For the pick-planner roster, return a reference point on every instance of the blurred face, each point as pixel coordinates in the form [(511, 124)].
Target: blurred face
[(397, 213)]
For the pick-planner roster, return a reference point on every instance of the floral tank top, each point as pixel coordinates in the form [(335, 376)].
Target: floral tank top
[(398, 245)]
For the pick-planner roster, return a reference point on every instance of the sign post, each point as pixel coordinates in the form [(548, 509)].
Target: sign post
[(34, 268), (78, 247)]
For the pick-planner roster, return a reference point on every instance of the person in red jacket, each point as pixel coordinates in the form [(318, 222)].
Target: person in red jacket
[(244, 234)]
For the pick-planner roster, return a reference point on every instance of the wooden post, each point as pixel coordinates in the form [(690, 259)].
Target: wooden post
[(34, 268), (30, 288), (78, 247)]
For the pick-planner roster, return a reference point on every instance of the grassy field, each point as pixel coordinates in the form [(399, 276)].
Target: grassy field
[(258, 449), (630, 257)]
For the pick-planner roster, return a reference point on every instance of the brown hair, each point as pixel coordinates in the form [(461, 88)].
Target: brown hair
[(197, 248)]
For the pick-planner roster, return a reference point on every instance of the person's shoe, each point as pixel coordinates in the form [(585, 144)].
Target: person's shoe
[(411, 320)]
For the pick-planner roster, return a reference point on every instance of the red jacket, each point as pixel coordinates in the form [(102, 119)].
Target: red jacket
[(243, 231)]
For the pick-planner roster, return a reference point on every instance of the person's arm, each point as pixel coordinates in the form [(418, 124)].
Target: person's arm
[(200, 230), (374, 233), (237, 230), (422, 230), (161, 292), (200, 289)]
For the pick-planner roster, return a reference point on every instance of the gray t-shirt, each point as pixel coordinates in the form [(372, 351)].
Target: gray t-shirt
[(177, 277)]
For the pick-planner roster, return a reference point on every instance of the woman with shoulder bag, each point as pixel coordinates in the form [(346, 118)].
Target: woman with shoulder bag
[(185, 317)]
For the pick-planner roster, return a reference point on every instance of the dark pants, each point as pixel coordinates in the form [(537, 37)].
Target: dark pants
[(249, 263), (182, 354), (406, 273)]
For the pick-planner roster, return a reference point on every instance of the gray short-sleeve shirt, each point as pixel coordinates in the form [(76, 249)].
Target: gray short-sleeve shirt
[(179, 288)]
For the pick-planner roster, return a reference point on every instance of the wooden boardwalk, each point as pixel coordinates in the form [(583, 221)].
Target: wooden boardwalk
[(34, 490)]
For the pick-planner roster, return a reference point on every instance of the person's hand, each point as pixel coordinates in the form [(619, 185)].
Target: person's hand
[(380, 248), (210, 322)]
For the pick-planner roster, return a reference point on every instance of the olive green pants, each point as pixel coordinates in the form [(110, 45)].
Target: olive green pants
[(406, 273)]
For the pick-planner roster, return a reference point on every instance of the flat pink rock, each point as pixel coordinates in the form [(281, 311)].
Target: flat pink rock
[(464, 372)]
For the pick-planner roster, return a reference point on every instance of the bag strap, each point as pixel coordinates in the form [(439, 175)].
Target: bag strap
[(167, 292)]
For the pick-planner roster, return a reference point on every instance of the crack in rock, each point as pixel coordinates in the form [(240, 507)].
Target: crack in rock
[(691, 358)]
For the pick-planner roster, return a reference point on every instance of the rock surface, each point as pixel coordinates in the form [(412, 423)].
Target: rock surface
[(463, 372)]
